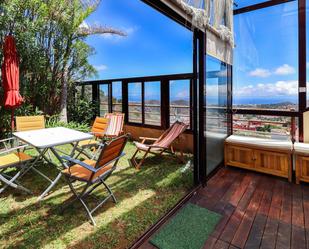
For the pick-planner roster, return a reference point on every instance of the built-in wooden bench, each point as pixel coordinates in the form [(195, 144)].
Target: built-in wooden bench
[(263, 155), (301, 151)]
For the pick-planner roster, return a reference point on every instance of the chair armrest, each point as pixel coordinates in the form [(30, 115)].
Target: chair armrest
[(97, 133), (84, 165), (148, 138), (157, 147), (13, 149), (144, 139), (7, 139)]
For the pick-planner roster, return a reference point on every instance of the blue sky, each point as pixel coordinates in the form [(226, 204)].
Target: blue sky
[(265, 59), (155, 45), (266, 56)]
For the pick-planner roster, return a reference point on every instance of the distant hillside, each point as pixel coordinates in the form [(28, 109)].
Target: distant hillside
[(152, 102), (277, 105), (180, 102)]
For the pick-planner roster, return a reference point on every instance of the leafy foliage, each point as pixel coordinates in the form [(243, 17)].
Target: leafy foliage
[(81, 111), (55, 122), (50, 38), (5, 120)]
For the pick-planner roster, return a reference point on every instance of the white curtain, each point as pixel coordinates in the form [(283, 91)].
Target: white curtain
[(214, 17)]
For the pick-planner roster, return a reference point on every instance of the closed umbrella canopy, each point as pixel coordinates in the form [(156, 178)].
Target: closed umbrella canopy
[(10, 74)]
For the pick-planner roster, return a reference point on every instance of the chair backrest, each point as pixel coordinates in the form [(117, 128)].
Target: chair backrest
[(99, 126), (111, 151), (170, 135), (29, 123), (115, 127)]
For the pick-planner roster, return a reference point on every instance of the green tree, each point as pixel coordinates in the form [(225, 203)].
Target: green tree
[(50, 37)]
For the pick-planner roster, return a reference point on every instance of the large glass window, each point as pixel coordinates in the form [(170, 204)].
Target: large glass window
[(152, 99), (104, 99), (238, 4), (135, 102), (216, 112), (274, 127), (180, 101), (265, 72), (216, 96), (117, 96)]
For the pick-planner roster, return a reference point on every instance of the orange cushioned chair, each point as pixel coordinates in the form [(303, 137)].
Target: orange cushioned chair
[(30, 123), (12, 157), (94, 173), (98, 129)]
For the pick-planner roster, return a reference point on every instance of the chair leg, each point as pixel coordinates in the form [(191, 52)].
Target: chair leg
[(133, 158), (85, 193), (179, 158), (83, 152), (109, 191), (11, 183), (88, 211), (136, 164), (79, 197), (143, 159)]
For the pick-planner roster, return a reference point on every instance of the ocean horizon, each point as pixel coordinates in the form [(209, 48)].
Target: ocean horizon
[(236, 100)]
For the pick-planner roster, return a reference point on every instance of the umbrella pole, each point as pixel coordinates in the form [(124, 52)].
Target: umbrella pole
[(12, 121)]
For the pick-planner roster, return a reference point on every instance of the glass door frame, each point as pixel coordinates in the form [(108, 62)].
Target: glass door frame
[(199, 99)]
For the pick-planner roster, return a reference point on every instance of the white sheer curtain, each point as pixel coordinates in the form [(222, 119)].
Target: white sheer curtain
[(214, 17)]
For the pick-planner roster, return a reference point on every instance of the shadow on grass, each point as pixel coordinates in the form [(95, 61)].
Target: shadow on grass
[(143, 196)]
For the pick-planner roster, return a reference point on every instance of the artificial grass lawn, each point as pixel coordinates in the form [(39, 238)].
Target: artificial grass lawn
[(189, 229), (143, 197)]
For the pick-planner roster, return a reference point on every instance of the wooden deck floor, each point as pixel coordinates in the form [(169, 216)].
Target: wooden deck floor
[(259, 211)]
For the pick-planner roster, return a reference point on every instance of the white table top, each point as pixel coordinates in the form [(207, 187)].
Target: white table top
[(51, 137)]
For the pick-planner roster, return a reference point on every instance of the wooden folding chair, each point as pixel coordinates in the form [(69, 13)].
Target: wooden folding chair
[(115, 127), (160, 145), (12, 157), (94, 173), (98, 129)]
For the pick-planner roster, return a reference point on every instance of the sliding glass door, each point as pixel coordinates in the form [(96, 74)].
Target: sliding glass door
[(215, 109)]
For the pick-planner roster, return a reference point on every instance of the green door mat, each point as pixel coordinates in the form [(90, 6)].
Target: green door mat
[(189, 229)]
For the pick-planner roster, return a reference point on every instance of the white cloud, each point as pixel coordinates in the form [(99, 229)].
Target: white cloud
[(285, 70), (279, 88), (101, 67), (222, 73), (182, 94), (260, 72), (215, 90)]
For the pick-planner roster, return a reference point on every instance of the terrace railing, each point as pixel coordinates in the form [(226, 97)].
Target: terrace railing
[(277, 124), (143, 113)]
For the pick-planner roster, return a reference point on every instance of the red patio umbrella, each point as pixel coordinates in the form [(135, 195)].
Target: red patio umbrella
[(10, 76)]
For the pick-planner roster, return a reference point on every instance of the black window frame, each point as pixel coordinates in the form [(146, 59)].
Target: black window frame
[(164, 81)]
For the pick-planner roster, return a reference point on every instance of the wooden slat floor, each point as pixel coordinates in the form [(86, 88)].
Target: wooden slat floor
[(259, 211)]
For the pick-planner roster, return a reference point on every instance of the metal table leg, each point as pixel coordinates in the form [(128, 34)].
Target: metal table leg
[(12, 184), (53, 183), (58, 177)]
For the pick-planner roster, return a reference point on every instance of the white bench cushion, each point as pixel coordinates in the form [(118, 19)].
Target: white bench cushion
[(301, 148), (261, 142)]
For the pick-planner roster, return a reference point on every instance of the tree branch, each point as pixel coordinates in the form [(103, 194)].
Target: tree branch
[(98, 29)]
